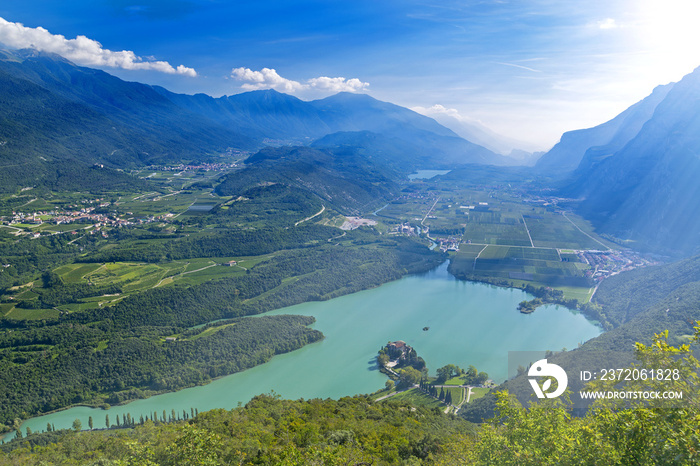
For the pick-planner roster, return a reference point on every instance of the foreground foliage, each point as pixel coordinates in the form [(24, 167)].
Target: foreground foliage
[(266, 431), (612, 432)]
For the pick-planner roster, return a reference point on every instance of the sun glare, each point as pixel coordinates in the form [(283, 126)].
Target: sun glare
[(669, 31)]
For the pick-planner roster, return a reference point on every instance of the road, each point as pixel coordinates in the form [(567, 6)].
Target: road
[(431, 209), (528, 231), (323, 207), (185, 273), (604, 246)]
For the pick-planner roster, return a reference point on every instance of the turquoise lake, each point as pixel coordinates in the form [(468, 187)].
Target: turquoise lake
[(426, 174), (469, 323)]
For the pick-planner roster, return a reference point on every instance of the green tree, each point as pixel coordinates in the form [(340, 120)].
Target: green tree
[(90, 422), (77, 425), (196, 447), (447, 372), (408, 377), (51, 279)]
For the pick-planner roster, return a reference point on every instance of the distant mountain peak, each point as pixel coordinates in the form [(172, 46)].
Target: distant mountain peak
[(605, 138)]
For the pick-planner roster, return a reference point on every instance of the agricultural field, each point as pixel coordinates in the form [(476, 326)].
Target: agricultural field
[(131, 277), (406, 209), (504, 239), (537, 266), (418, 398), (555, 230), (176, 203)]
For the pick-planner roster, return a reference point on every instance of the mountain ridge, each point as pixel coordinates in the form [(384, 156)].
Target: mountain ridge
[(647, 190), (606, 138), (125, 125)]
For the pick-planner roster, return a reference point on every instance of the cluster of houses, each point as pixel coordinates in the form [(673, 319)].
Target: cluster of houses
[(450, 243), (607, 263), (86, 215), (405, 229), (200, 166)]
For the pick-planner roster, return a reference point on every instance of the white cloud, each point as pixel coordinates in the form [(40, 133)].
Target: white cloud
[(338, 84), (268, 78), (81, 50)]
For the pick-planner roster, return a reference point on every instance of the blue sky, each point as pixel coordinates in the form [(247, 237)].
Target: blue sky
[(526, 69)]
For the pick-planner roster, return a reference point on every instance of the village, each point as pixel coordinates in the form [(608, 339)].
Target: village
[(605, 264), (27, 223)]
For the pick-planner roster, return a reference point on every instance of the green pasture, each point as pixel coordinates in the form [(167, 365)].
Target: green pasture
[(478, 392), (417, 398), (454, 381)]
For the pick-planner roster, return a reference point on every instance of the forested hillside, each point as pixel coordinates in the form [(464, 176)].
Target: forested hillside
[(345, 178)]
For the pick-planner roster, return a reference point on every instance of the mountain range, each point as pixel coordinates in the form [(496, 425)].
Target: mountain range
[(636, 176), (524, 152), (57, 114), (68, 127)]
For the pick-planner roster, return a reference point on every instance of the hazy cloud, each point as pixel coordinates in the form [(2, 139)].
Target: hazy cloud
[(81, 50), (438, 109), (268, 78), (519, 66), (607, 23)]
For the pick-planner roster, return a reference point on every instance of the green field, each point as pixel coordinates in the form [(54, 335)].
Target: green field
[(156, 203), (517, 265), (417, 398), (407, 209), (454, 381), (554, 230), (32, 314), (5, 308), (583, 294), (133, 277), (73, 273), (457, 395), (478, 392)]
